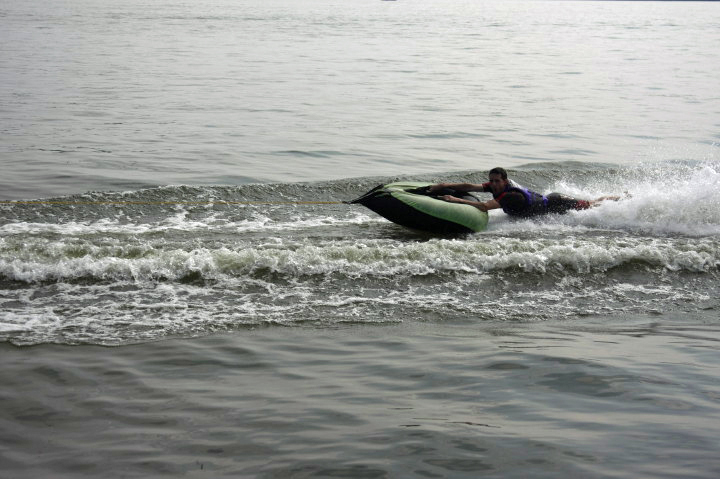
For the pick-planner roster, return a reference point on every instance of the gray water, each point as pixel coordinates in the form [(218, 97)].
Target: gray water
[(182, 292), (631, 398), (130, 94)]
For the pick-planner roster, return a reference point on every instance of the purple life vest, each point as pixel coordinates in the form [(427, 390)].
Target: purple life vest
[(535, 203)]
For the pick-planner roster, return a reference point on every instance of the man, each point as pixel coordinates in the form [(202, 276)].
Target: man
[(514, 199)]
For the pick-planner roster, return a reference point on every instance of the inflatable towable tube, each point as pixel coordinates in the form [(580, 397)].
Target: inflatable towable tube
[(409, 204)]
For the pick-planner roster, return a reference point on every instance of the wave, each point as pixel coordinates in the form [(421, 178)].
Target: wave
[(665, 198), (40, 261), (139, 265), (181, 223)]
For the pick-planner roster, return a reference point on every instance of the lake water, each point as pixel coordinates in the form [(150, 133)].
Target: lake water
[(183, 292)]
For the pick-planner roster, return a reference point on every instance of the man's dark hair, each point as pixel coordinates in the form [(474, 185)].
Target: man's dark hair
[(499, 171)]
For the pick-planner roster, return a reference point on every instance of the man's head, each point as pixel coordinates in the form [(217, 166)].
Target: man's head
[(499, 171), (498, 180)]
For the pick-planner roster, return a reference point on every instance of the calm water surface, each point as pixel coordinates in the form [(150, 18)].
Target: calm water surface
[(121, 95), (632, 398)]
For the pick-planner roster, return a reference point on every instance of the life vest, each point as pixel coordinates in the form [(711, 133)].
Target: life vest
[(535, 203)]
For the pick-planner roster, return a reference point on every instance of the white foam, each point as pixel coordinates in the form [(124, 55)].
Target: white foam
[(663, 200), (119, 280), (180, 222), (40, 260)]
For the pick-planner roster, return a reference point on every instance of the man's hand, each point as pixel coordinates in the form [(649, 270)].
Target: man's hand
[(477, 204), (452, 199)]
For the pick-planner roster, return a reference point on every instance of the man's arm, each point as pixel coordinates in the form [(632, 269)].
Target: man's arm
[(460, 187), (482, 206)]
